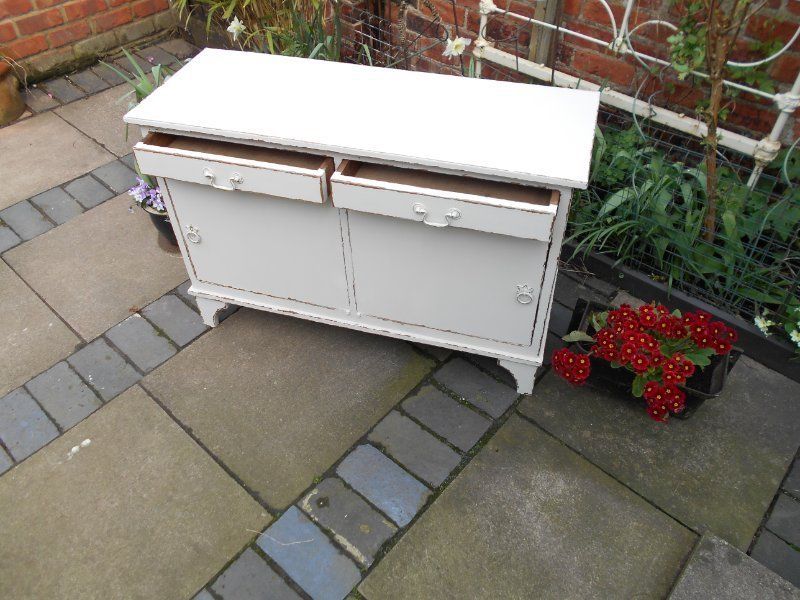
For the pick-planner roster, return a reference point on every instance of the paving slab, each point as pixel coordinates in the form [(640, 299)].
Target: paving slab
[(116, 175), (384, 483), (38, 100), (183, 291), (141, 343), (33, 154), (458, 424), (249, 578), (5, 461), (32, 337), (23, 218), (62, 89), (719, 469), (179, 48), (414, 448), (784, 521), (792, 482), (8, 239), (106, 74), (88, 81), (718, 570), (155, 55), (780, 557), (97, 268), (139, 511), (529, 518), (476, 387), (355, 525), (88, 191), (171, 315), (279, 400), (307, 555), (63, 395), (100, 117), (57, 204), (104, 368), (24, 427)]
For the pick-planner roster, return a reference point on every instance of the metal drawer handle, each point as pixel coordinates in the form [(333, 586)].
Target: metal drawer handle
[(524, 294), (451, 215), (193, 234), (235, 179)]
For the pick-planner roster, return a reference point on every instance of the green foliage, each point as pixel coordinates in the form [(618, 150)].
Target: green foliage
[(688, 43), (143, 83)]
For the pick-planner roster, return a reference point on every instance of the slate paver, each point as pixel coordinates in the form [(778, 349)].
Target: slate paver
[(24, 428), (139, 511), (785, 519), (491, 366), (88, 81), (25, 220), (718, 570), (33, 336), (250, 577), (456, 423), (63, 90), (129, 160), (792, 482), (259, 390), (38, 100), (100, 117), (414, 448), (6, 461), (27, 170), (63, 395), (384, 483), (179, 48), (718, 470), (104, 369), (107, 75), (774, 553), (155, 55), (560, 317), (57, 204), (170, 314), (475, 387), (97, 268), (298, 546), (203, 595), (529, 518), (141, 343), (116, 175), (355, 525), (183, 291), (8, 239), (88, 191)]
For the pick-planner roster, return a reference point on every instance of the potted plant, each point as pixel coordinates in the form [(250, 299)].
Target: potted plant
[(149, 198), (674, 361), (11, 103)]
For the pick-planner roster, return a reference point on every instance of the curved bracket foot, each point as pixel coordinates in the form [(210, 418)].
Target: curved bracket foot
[(209, 310), (523, 374)]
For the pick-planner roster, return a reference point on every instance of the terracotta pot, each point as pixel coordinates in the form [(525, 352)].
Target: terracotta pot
[(11, 103), (162, 224)]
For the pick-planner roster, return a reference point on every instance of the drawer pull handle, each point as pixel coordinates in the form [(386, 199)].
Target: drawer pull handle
[(524, 294), (451, 215), (235, 179), (192, 234)]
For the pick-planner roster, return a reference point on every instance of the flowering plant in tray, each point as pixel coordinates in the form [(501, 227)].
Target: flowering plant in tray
[(145, 194), (663, 349)]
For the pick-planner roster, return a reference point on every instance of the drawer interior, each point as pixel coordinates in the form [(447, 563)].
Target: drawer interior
[(454, 183), (233, 150)]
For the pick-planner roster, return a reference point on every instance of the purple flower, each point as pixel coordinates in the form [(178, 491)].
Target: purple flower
[(146, 195)]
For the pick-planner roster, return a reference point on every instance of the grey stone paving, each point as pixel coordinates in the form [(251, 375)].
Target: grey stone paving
[(38, 100), (718, 470), (24, 428), (179, 48), (785, 519), (116, 175), (62, 90), (5, 461), (476, 387), (88, 191), (417, 450), (101, 365), (63, 395), (183, 291), (456, 423), (173, 317), (57, 204), (718, 570), (792, 483), (8, 239), (356, 526), (779, 556), (129, 160), (25, 220), (140, 342), (204, 595), (88, 81), (248, 578), (384, 483), (156, 55), (298, 546), (107, 75), (529, 518)]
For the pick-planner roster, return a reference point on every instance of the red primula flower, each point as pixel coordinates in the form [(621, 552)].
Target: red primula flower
[(626, 352), (658, 412), (640, 362), (573, 367), (672, 377)]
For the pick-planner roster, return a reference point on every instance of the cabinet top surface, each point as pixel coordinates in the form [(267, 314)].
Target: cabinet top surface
[(498, 129)]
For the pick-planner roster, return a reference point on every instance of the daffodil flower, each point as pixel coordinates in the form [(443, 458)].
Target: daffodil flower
[(236, 28), (456, 47), (763, 324)]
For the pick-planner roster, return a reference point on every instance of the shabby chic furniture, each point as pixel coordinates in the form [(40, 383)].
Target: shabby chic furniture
[(369, 198)]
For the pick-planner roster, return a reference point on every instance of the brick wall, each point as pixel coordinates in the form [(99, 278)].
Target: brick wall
[(48, 37)]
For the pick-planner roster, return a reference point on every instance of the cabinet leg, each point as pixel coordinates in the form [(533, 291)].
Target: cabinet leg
[(209, 310), (523, 374)]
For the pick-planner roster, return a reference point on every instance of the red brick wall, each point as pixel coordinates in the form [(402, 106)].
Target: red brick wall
[(50, 36)]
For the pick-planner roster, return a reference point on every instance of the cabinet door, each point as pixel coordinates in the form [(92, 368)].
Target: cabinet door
[(455, 280), (263, 244)]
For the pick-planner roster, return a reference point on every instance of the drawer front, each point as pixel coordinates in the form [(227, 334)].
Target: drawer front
[(231, 174), (278, 247), (453, 280), (439, 209)]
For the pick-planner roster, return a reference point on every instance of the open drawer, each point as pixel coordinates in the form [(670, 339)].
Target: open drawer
[(236, 167), (440, 200)]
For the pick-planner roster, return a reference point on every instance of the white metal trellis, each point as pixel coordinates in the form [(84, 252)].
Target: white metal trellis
[(763, 151)]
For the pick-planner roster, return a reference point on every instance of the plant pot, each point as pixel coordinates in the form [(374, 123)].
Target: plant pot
[(11, 103), (707, 382), (162, 224)]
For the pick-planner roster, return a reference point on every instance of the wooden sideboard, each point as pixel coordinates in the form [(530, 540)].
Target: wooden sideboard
[(425, 207)]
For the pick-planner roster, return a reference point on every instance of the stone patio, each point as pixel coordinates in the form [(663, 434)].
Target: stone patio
[(144, 455)]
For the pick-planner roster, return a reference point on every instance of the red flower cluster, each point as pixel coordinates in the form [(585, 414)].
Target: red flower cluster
[(654, 344), (573, 367)]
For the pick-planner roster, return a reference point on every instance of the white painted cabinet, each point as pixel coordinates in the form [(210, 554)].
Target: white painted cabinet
[(325, 215)]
